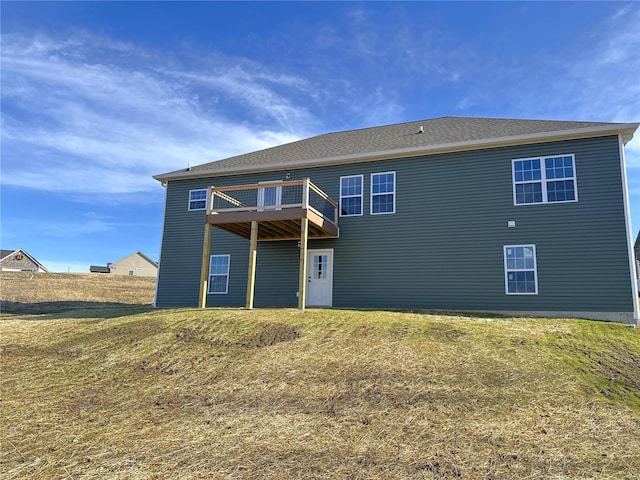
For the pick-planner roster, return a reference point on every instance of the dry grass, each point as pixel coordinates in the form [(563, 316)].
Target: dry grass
[(227, 393), (26, 292)]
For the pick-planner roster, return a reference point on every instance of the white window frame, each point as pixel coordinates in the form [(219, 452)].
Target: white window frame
[(198, 200), (543, 181), (509, 270), (361, 177), (371, 212), (226, 288), (261, 206)]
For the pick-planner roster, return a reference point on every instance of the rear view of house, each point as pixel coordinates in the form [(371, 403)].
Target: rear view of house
[(454, 213), (137, 264)]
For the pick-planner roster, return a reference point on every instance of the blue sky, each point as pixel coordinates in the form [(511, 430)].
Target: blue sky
[(99, 96)]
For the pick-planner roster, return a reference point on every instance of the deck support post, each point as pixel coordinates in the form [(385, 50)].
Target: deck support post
[(204, 272), (302, 285), (251, 276)]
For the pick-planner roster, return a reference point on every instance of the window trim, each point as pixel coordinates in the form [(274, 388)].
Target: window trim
[(506, 270), (361, 177), (371, 212), (543, 179), (198, 200), (226, 288)]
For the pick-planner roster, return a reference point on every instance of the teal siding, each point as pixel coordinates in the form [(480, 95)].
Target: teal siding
[(443, 248)]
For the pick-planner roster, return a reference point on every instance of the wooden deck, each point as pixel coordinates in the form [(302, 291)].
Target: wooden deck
[(275, 222), (275, 225), (290, 210)]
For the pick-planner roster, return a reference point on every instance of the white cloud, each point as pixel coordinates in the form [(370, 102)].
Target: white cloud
[(77, 117), (250, 89)]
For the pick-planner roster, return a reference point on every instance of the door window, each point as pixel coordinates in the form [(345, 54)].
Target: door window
[(320, 263)]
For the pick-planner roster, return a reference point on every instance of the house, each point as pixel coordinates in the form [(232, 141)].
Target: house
[(19, 261), (135, 264), (456, 213)]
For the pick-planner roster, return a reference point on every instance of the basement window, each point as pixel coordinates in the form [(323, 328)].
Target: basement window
[(219, 274), (520, 270)]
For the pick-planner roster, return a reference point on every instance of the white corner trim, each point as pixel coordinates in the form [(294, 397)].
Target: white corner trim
[(627, 218)]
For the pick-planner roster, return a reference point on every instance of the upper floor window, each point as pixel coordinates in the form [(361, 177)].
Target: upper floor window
[(198, 199), (383, 193), (351, 195), (544, 180)]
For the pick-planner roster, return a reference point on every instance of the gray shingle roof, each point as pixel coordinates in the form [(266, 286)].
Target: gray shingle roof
[(5, 253), (398, 139)]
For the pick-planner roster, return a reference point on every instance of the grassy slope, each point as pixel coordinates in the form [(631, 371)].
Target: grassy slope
[(131, 392)]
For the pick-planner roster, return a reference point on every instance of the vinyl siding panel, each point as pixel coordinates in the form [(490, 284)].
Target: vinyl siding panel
[(443, 248)]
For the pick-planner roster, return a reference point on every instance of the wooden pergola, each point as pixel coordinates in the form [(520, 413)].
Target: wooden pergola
[(307, 213)]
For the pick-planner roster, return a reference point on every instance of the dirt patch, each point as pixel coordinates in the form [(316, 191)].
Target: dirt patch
[(444, 331), (269, 334), (620, 366)]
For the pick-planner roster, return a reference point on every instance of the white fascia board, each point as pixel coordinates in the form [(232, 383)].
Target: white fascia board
[(625, 130), (38, 264)]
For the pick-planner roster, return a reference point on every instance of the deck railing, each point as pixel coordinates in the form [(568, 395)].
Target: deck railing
[(270, 196)]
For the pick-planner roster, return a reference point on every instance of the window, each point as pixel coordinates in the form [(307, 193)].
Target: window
[(383, 193), (198, 199), (219, 274), (544, 180), (268, 197), (520, 270), (320, 263), (351, 195)]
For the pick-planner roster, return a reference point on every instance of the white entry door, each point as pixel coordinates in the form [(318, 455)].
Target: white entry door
[(320, 278)]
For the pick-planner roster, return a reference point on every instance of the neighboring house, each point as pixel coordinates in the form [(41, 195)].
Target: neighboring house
[(137, 264), (472, 214), (19, 261), (99, 269)]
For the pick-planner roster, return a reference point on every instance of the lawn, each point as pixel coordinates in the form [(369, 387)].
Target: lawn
[(112, 388)]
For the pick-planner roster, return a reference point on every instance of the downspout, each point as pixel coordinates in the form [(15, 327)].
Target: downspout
[(627, 217)]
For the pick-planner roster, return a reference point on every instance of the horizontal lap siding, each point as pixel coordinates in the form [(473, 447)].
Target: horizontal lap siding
[(277, 274), (181, 254), (444, 246)]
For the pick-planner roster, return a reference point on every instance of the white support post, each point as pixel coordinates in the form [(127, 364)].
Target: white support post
[(305, 193)]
